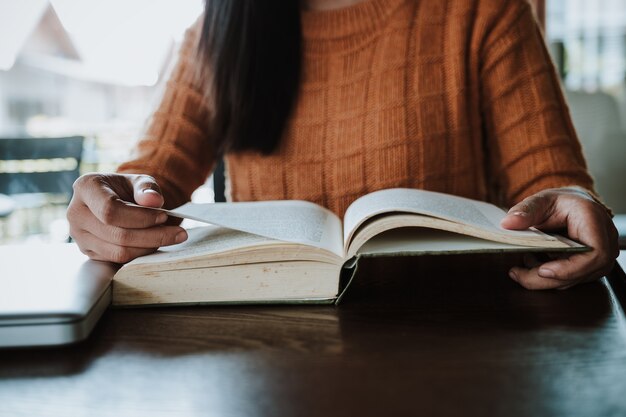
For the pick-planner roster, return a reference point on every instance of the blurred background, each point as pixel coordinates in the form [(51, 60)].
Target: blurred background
[(84, 75), (78, 79)]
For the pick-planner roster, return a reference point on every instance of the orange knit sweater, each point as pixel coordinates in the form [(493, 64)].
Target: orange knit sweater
[(457, 96)]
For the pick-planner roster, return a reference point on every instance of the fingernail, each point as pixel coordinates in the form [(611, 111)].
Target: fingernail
[(161, 218), (546, 273), (519, 213), (180, 237), (513, 275), (149, 191)]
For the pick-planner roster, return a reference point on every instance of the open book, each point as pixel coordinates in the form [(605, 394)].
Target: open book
[(297, 251)]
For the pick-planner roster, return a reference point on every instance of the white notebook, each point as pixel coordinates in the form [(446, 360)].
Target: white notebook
[(50, 294)]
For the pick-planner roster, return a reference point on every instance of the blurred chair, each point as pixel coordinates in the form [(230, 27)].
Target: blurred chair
[(39, 172), (219, 182), (597, 120), (7, 205)]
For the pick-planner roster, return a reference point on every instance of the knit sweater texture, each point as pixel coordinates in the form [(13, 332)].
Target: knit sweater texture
[(456, 96)]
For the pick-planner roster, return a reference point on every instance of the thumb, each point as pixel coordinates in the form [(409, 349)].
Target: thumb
[(532, 211), (147, 192)]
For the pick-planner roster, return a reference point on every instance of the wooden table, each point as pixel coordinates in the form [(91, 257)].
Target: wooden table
[(451, 337)]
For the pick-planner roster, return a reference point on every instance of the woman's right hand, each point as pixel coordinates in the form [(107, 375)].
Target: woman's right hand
[(107, 229)]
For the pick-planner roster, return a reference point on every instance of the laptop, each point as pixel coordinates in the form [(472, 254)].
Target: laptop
[(50, 294)]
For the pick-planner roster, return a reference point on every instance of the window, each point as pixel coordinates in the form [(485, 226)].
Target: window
[(587, 40)]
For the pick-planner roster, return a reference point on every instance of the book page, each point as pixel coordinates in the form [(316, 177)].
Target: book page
[(457, 209), (428, 241), (203, 241), (291, 221), (424, 241)]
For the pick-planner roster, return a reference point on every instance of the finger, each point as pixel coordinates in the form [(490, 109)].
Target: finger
[(147, 192), (595, 275), (104, 196), (532, 211), (531, 280), (587, 228), (100, 250), (151, 237), (576, 267), (110, 209)]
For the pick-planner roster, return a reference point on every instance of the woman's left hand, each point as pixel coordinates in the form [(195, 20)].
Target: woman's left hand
[(583, 220)]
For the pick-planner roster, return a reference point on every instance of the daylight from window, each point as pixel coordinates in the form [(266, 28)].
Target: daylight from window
[(91, 69)]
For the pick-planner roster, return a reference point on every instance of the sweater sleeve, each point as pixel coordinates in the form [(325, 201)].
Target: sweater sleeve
[(530, 138), (175, 149)]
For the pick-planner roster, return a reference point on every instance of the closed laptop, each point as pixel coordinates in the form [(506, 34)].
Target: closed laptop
[(50, 294)]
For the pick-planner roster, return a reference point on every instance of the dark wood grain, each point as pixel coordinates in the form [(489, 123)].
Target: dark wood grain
[(452, 336)]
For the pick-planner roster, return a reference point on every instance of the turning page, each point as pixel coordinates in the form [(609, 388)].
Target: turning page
[(204, 241), (292, 221)]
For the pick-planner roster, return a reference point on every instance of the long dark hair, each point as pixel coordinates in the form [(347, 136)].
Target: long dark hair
[(251, 50)]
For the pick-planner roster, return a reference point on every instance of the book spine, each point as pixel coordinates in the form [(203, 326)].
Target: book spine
[(346, 276)]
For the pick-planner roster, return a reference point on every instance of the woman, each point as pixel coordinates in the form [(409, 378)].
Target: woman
[(329, 100)]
